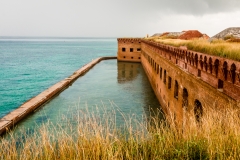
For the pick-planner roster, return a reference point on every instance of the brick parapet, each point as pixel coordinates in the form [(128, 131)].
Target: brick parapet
[(221, 73), (129, 39)]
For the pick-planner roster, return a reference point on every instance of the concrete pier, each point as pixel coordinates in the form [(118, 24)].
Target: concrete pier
[(29, 106)]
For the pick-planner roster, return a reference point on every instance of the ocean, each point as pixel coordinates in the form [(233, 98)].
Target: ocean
[(28, 66)]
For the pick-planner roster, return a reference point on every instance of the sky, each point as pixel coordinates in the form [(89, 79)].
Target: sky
[(115, 18)]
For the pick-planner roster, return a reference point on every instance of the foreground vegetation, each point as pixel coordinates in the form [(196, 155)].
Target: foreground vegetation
[(220, 48), (217, 136)]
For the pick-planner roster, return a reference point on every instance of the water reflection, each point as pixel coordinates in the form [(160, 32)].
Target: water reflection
[(127, 71)]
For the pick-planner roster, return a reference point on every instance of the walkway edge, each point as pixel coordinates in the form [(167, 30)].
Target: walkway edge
[(9, 120)]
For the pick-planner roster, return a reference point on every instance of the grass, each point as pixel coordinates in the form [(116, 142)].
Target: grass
[(216, 137), (220, 48)]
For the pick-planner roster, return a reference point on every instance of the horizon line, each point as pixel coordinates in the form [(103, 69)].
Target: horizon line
[(53, 37)]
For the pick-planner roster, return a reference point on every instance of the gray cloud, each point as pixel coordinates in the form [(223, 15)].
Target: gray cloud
[(193, 7), (111, 17)]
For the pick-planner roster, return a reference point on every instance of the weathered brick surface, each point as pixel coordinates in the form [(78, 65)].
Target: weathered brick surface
[(218, 68), (128, 49), (197, 74)]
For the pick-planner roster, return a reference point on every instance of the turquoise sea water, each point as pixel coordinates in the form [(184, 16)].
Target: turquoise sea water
[(28, 66)]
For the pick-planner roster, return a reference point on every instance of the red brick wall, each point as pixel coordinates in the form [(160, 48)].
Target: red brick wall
[(195, 72), (133, 55)]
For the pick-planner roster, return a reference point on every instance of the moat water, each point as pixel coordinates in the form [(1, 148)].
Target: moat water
[(110, 85)]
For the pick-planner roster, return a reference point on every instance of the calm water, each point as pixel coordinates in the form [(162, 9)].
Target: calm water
[(110, 85), (29, 66)]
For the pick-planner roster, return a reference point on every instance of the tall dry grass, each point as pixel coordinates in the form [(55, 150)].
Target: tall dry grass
[(94, 137), (216, 47)]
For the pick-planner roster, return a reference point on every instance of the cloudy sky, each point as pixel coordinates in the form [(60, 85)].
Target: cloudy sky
[(115, 18)]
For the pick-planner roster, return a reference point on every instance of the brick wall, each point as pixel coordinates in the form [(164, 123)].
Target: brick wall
[(129, 49), (184, 80)]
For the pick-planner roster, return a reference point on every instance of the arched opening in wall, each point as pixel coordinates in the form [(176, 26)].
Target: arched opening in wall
[(160, 72), (205, 63), (164, 76), (210, 65), (123, 49), (124, 56), (225, 70), (220, 84), (131, 49), (233, 73), (192, 59), (157, 68), (132, 57), (139, 57), (185, 99), (169, 82), (196, 60), (176, 90), (199, 73), (201, 62), (216, 64), (198, 110), (187, 57)]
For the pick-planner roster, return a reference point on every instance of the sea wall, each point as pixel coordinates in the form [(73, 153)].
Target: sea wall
[(31, 105)]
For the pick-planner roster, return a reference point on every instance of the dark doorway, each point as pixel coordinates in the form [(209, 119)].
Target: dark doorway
[(198, 110), (185, 99)]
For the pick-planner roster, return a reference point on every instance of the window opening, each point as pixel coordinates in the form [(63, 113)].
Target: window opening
[(169, 82), (176, 90), (164, 77)]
